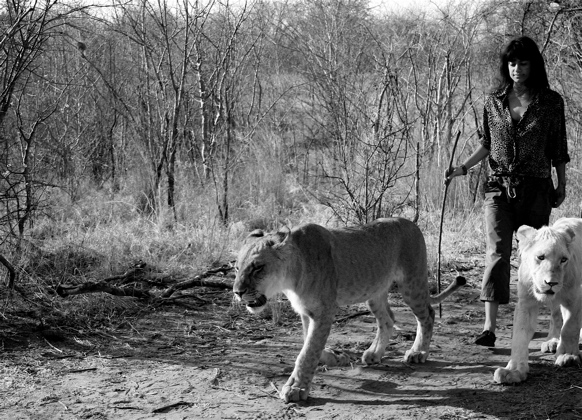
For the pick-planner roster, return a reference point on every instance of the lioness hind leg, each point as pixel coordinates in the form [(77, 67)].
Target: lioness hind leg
[(418, 353), (549, 346), (418, 300), (385, 322)]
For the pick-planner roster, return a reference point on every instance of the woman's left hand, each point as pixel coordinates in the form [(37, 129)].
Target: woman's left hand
[(559, 195)]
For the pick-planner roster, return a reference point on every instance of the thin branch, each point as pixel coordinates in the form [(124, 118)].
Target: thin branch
[(10, 269)]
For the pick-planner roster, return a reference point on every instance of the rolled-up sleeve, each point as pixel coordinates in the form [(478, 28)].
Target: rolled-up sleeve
[(558, 145)]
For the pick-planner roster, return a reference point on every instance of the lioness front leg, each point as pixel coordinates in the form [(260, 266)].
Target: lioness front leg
[(568, 352), (524, 324), (329, 356), (316, 332), (551, 344)]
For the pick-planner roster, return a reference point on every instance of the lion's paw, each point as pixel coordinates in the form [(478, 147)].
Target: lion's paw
[(568, 359), (332, 358), (549, 346), (509, 376), (292, 391), (412, 356)]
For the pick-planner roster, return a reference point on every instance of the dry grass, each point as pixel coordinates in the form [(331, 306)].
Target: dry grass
[(102, 235)]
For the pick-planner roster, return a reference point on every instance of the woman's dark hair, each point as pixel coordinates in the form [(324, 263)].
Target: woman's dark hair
[(524, 49)]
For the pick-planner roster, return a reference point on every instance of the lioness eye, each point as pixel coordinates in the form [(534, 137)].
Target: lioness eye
[(541, 257), (564, 259), (257, 269)]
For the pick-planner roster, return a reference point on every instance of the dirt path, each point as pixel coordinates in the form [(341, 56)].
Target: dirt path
[(217, 361)]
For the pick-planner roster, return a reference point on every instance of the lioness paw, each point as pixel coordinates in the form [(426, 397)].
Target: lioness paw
[(332, 357), (568, 359), (292, 391), (412, 356), (509, 376), (549, 346)]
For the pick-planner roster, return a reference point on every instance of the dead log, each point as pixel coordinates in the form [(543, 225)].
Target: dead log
[(135, 273), (10, 269), (100, 286), (138, 274), (199, 281)]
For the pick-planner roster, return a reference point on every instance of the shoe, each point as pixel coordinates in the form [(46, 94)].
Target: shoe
[(486, 338)]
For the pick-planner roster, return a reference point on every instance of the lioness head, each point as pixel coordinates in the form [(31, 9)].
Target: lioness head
[(258, 269), (544, 256)]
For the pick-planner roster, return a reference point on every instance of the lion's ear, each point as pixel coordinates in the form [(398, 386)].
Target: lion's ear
[(525, 234), (570, 234)]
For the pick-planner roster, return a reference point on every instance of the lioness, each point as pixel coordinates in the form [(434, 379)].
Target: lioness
[(550, 272), (319, 269)]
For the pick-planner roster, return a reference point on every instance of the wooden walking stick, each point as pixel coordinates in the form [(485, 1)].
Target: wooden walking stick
[(442, 218)]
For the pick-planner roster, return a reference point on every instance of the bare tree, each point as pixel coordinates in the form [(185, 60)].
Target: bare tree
[(29, 27), (356, 103), (222, 64), (163, 36)]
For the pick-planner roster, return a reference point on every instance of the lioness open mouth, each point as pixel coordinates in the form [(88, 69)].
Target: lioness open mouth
[(547, 292), (258, 302)]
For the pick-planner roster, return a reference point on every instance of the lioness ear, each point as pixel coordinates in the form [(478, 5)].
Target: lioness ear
[(525, 234), (257, 233), (281, 235), (253, 236)]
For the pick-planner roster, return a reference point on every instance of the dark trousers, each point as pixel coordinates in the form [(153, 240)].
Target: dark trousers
[(528, 204)]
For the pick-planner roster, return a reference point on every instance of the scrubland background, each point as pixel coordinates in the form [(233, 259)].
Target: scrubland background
[(165, 131)]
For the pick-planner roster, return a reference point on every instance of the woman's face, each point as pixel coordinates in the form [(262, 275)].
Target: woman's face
[(519, 70)]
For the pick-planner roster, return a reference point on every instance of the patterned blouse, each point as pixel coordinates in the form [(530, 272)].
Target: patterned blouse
[(531, 146)]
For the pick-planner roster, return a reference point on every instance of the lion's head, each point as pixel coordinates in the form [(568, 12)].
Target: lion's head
[(258, 268), (544, 257)]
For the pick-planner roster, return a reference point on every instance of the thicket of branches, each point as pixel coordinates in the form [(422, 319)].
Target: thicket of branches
[(158, 97)]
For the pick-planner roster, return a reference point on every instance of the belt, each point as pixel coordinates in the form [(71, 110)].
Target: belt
[(510, 183)]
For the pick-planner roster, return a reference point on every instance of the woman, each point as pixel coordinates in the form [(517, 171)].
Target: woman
[(524, 135)]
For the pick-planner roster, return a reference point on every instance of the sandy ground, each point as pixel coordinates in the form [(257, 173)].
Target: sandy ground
[(214, 360)]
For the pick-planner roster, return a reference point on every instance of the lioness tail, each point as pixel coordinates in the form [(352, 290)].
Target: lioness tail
[(459, 282)]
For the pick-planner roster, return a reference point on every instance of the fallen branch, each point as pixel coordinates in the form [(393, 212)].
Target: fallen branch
[(138, 273), (101, 286), (174, 299), (199, 281), (355, 315), (135, 273), (167, 408)]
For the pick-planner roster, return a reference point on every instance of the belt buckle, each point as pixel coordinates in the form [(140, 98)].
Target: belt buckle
[(509, 186)]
